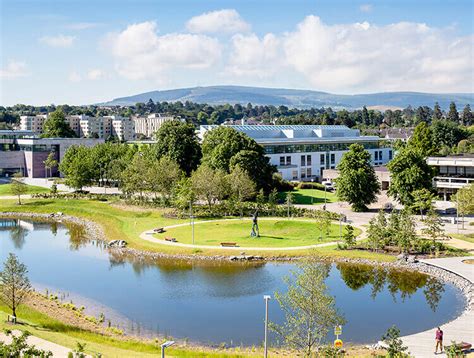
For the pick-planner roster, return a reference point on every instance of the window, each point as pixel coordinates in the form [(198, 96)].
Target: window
[(380, 155), (333, 159), (303, 173), (308, 172), (282, 161), (308, 160), (376, 156), (303, 160), (288, 160), (321, 158), (295, 174), (390, 155)]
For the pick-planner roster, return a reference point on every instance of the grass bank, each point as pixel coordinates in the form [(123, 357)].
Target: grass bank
[(126, 223), (6, 189), (310, 196)]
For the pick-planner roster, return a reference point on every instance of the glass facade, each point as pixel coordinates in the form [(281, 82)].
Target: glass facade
[(326, 147)]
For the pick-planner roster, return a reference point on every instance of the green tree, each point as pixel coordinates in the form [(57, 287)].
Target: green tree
[(241, 186), (202, 117), (18, 188), (19, 347), (357, 182), (56, 126), (185, 195), (349, 237), (136, 176), (224, 148), (467, 116), (323, 223), (163, 176), (377, 231), (310, 311), (403, 231), (50, 163), (178, 141), (395, 344), (464, 200), (408, 172), (446, 133), (77, 167), (437, 113), (422, 139), (433, 227), (209, 185), (422, 201), (453, 114), (14, 283)]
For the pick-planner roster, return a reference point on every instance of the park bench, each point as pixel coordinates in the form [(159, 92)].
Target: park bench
[(229, 244), (159, 230), (170, 239)]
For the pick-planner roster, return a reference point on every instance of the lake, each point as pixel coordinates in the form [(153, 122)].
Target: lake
[(215, 302)]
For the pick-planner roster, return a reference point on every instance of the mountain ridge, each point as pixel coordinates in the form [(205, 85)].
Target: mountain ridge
[(298, 98)]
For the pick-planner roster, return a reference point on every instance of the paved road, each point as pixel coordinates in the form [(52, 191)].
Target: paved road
[(461, 329)]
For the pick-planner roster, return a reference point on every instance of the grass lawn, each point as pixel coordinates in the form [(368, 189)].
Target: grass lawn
[(48, 328), (6, 189), (126, 223), (273, 233), (464, 237), (310, 196)]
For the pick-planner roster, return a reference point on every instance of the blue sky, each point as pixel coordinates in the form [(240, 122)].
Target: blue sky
[(82, 52)]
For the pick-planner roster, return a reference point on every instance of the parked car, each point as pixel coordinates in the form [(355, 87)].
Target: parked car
[(328, 185)]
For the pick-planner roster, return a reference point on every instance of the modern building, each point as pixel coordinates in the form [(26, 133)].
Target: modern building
[(24, 152), (302, 152), (33, 123), (150, 124), (452, 173), (381, 172)]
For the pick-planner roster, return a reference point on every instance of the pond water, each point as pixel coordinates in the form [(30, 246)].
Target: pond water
[(214, 303)]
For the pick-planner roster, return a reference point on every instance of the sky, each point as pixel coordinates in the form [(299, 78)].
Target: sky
[(90, 51)]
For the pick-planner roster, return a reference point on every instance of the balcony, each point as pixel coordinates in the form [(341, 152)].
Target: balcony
[(451, 182)]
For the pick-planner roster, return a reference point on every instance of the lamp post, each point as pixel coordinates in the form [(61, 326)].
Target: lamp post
[(265, 351), (164, 346), (191, 218)]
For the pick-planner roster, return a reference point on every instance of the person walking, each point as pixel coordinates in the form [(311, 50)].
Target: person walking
[(439, 340)]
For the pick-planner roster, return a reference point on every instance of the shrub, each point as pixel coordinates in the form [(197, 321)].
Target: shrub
[(310, 185)]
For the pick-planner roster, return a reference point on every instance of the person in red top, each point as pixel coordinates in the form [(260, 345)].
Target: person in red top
[(439, 340)]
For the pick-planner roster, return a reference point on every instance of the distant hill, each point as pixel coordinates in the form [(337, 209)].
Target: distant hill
[(296, 98)]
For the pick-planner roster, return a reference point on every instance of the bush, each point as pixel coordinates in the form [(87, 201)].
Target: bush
[(310, 185)]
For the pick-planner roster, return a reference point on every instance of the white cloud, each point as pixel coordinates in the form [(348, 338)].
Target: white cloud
[(366, 8), (140, 53), (74, 76), (82, 25), (220, 21), (58, 41), (14, 69), (363, 57), (95, 74), (251, 56)]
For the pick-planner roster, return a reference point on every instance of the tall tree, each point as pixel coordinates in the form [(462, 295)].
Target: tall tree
[(437, 113), (357, 182), (77, 167), (56, 126), (422, 139), (408, 172), (464, 200), (310, 311), (50, 163), (377, 231), (164, 175), (18, 187), (453, 114), (433, 226), (467, 116), (178, 141), (241, 186), (136, 176), (14, 283), (446, 133), (422, 201), (209, 185)]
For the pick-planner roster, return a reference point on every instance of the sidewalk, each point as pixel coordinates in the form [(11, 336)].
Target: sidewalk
[(56, 349)]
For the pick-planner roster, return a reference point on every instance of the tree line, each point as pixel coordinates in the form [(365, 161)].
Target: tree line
[(202, 113)]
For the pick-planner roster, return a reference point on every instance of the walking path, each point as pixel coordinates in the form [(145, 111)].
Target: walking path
[(461, 329), (147, 235), (56, 349)]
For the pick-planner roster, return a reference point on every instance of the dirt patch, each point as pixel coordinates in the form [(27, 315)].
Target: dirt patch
[(469, 261)]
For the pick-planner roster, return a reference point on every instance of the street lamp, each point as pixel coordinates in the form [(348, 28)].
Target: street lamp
[(266, 298), (164, 346)]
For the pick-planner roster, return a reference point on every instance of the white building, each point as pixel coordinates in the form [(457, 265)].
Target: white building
[(33, 123), (452, 173), (302, 152), (150, 124)]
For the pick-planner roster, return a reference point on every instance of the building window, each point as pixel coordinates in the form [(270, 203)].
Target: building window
[(333, 158), (376, 156), (308, 160), (288, 160), (390, 155), (303, 173), (321, 158), (308, 172), (380, 155), (282, 161), (295, 174), (303, 160)]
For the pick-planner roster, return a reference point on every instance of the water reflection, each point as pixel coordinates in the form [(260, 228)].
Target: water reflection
[(401, 282)]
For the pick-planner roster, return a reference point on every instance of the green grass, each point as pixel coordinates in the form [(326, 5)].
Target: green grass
[(48, 328), (310, 196), (273, 233), (127, 224), (464, 237), (6, 189)]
